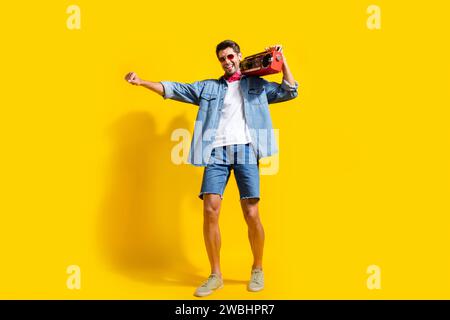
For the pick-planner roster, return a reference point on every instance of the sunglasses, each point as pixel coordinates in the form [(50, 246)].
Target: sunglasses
[(229, 57)]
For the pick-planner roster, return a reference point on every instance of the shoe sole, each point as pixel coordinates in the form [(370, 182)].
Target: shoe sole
[(255, 290), (200, 295)]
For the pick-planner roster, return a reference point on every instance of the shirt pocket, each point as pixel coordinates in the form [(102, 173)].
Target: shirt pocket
[(255, 95), (206, 99)]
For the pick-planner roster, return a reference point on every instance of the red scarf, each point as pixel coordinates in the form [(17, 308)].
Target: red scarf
[(234, 77)]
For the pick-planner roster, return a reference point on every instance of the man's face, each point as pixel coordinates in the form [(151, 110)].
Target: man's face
[(229, 60)]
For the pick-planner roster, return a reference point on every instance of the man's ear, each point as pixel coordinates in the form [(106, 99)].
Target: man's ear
[(240, 56)]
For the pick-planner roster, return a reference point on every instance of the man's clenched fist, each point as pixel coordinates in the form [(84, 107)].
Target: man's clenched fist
[(132, 78)]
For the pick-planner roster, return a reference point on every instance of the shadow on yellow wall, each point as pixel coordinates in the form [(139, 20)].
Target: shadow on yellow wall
[(140, 216)]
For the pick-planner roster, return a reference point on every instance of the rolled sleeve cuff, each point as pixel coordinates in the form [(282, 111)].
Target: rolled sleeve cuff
[(289, 87), (168, 89)]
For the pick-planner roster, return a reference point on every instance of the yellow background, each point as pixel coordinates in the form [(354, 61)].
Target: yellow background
[(86, 176)]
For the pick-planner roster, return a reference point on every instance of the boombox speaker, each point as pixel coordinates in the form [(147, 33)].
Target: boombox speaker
[(262, 64)]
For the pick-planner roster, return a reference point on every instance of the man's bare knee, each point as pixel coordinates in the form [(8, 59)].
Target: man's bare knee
[(250, 209), (211, 205)]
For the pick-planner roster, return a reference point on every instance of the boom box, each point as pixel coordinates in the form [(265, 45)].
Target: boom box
[(263, 63)]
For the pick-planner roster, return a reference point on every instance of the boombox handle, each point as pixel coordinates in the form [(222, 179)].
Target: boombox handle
[(258, 54)]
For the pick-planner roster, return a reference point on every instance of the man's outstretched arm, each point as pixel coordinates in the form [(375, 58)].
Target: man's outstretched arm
[(157, 87), (183, 92)]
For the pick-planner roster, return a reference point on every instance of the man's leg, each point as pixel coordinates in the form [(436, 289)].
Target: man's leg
[(256, 237), (211, 235), (255, 230), (246, 172), (215, 178), (211, 231)]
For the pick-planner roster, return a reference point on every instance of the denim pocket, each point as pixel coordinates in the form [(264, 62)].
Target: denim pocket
[(206, 99), (255, 95), (208, 96), (255, 91)]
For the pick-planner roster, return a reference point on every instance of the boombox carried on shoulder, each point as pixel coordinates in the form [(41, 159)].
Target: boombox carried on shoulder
[(261, 64)]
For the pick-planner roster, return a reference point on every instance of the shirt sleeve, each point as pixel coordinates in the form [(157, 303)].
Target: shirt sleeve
[(183, 92), (277, 92)]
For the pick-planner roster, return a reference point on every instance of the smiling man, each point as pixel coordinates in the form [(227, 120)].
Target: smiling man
[(233, 131)]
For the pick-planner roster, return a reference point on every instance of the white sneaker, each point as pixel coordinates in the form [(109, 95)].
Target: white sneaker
[(256, 282), (214, 282)]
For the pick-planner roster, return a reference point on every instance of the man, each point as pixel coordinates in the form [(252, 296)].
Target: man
[(233, 131)]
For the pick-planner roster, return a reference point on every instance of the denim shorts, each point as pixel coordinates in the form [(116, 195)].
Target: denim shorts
[(238, 157)]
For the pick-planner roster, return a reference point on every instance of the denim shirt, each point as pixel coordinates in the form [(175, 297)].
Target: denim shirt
[(209, 95)]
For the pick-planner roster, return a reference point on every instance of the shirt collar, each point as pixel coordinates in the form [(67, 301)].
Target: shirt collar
[(234, 77)]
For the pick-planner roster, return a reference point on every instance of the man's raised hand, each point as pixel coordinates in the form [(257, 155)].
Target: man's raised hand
[(132, 78)]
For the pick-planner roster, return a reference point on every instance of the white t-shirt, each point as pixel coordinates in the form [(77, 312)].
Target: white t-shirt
[(232, 126)]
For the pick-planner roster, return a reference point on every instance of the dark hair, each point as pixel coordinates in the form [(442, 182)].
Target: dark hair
[(227, 44)]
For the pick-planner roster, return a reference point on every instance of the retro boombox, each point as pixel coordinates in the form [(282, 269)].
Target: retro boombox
[(262, 64)]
